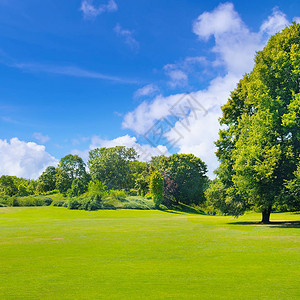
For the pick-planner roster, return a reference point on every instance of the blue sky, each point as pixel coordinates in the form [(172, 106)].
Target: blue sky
[(81, 74)]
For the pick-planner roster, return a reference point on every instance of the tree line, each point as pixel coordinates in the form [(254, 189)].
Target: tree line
[(183, 176)]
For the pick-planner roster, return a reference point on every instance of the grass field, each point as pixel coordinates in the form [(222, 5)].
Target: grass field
[(55, 253)]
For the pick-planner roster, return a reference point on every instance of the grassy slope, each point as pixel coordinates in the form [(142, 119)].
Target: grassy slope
[(55, 253)]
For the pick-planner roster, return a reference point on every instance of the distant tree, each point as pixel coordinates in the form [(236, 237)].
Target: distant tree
[(22, 190), (8, 186), (156, 188), (70, 167), (47, 181), (112, 166), (63, 182), (170, 190), (185, 175), (77, 188), (96, 188), (259, 145)]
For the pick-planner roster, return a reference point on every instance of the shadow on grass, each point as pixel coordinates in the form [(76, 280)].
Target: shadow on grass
[(277, 224), (183, 208)]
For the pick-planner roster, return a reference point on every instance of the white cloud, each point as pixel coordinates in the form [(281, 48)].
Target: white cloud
[(90, 11), (223, 19), (297, 20), (275, 23), (144, 151), (22, 159), (178, 78), (147, 90), (72, 71), (127, 35), (41, 138), (235, 47)]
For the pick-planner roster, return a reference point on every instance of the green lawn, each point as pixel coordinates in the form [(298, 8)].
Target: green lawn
[(55, 253)]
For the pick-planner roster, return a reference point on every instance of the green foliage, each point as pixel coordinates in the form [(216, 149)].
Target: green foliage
[(29, 201), (112, 166), (59, 203), (47, 181), (117, 194), (260, 143), (138, 203), (156, 188), (8, 186), (185, 177), (22, 190), (88, 203), (96, 188), (133, 192), (77, 188), (71, 167)]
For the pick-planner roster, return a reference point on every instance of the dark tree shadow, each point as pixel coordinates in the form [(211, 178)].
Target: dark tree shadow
[(277, 224)]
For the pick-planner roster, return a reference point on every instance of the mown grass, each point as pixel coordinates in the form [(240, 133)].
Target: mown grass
[(55, 253)]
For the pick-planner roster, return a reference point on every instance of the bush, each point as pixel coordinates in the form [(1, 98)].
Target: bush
[(59, 203), (89, 203), (73, 203), (156, 188), (29, 201), (133, 192), (117, 194), (138, 202)]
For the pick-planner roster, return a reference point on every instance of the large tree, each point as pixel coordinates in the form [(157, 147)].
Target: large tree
[(112, 166), (259, 144), (184, 175), (70, 167), (47, 181)]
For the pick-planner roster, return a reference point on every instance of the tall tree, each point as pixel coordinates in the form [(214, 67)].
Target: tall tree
[(112, 166), (260, 144), (185, 174), (47, 180), (70, 167)]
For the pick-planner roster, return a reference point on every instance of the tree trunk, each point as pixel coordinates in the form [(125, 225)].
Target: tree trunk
[(266, 216)]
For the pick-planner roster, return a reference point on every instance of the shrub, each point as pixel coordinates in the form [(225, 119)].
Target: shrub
[(117, 194), (73, 203), (29, 201), (12, 201), (96, 188), (89, 203), (59, 203), (156, 188), (133, 192)]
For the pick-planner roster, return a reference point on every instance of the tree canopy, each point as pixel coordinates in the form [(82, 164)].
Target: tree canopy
[(259, 144)]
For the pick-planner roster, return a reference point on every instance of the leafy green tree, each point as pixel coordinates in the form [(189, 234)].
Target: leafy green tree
[(70, 167), (96, 188), (112, 166), (293, 190), (260, 142), (77, 188), (8, 186), (62, 181), (47, 181), (185, 174), (22, 190), (156, 188)]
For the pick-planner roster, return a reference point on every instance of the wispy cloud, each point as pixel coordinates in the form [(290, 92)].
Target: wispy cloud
[(41, 138), (127, 35), (69, 71), (91, 11), (147, 90), (7, 119)]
